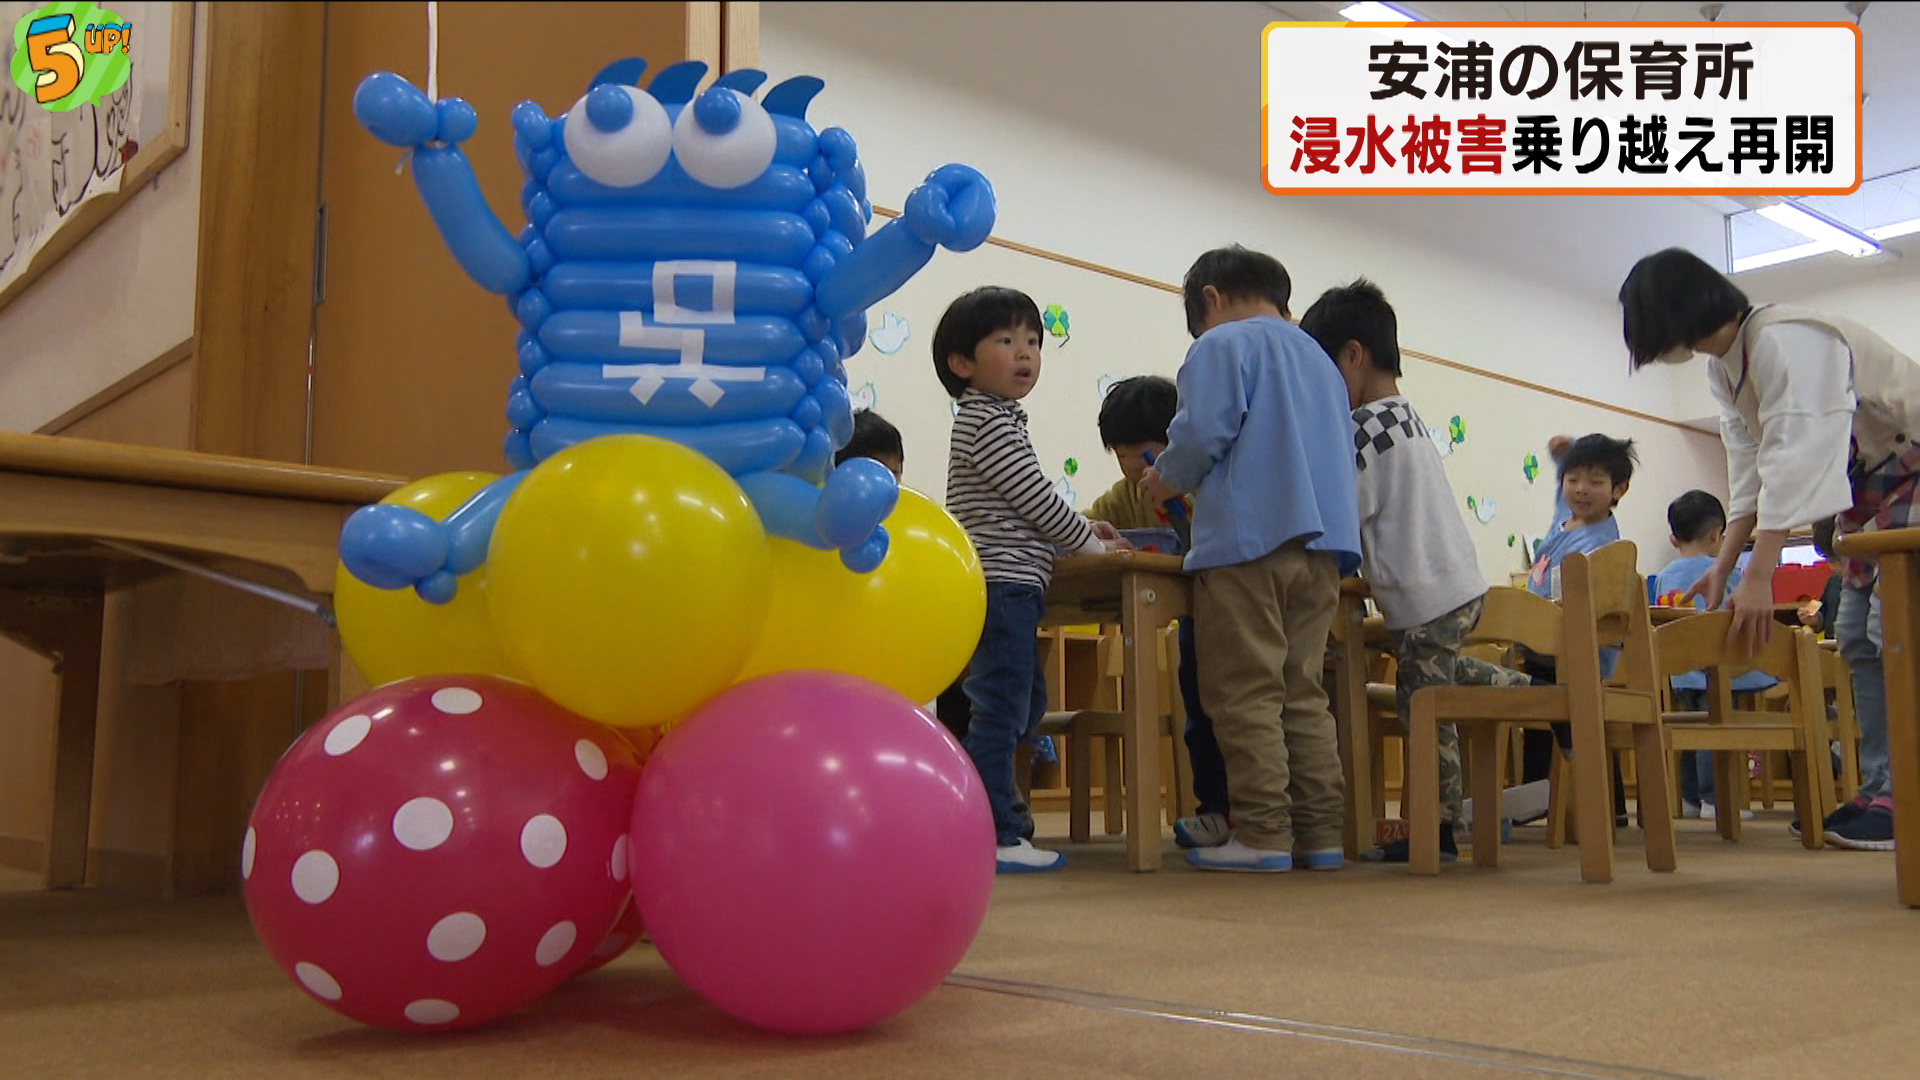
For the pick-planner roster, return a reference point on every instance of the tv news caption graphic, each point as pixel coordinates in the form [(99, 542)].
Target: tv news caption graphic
[(1560, 108)]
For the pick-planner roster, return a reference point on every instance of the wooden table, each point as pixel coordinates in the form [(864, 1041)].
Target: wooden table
[(1898, 551), (59, 498), (1143, 593)]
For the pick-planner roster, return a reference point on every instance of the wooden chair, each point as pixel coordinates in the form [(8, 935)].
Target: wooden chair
[(1082, 726), (1844, 728), (1384, 725), (1605, 602), (1792, 657)]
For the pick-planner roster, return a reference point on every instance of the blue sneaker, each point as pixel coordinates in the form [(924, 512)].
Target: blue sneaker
[(1024, 858), (1237, 857), (1321, 859), (1846, 812), (1870, 830)]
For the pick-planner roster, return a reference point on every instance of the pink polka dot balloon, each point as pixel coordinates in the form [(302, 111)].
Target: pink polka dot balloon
[(626, 933), (440, 852)]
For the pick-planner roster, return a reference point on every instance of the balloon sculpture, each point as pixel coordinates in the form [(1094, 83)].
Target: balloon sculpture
[(660, 678), (693, 269)]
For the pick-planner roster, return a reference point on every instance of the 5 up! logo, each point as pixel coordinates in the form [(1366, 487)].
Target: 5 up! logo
[(67, 55)]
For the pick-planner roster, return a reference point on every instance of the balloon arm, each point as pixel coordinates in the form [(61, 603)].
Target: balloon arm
[(873, 271), (786, 506), (953, 209), (470, 528), (844, 515), (485, 250)]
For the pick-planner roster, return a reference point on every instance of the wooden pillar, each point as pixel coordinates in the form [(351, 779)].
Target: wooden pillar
[(259, 198), (412, 359)]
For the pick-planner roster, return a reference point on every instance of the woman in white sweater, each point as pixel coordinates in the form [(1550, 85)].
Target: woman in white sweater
[(1819, 417)]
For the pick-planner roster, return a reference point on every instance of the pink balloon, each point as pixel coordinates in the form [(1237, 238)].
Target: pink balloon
[(440, 852), (811, 852), (627, 932)]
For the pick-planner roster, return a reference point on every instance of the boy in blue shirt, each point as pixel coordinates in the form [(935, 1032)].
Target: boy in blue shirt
[(1698, 523), (1595, 471), (1263, 438)]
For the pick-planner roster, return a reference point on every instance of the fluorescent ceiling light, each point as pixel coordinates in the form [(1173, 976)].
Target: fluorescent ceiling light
[(1817, 227), (1369, 11), (1784, 255), (1898, 228)]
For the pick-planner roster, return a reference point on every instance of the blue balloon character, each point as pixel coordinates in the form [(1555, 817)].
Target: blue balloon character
[(694, 268)]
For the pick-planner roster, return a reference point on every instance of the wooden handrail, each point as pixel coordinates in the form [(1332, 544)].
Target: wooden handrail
[(87, 459), (1879, 542)]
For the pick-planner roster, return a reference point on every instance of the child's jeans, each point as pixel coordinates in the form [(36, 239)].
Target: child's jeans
[(1007, 693), (1696, 766), (1203, 752), (1858, 628)]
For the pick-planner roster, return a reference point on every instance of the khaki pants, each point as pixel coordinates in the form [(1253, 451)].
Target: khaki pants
[(1262, 629)]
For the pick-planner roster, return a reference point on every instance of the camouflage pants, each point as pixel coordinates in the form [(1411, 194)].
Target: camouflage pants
[(1429, 655)]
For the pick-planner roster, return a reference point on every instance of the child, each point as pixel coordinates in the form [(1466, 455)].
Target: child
[(1698, 522), (1133, 425), (874, 438), (1595, 471), (1814, 414), (1417, 556), (1262, 434), (1820, 616), (986, 352)]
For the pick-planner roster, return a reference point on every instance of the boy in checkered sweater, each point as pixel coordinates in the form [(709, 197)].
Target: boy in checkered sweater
[(1416, 554)]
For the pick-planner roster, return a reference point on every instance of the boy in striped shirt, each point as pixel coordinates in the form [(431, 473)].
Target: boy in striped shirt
[(986, 352)]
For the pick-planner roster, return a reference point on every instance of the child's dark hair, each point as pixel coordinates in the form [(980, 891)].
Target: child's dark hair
[(981, 312), (1237, 274), (1138, 410), (1357, 312), (872, 436), (1695, 515), (1823, 538), (1615, 457), (1673, 298)]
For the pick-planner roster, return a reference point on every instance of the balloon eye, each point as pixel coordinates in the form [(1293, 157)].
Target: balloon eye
[(618, 135), (724, 139)]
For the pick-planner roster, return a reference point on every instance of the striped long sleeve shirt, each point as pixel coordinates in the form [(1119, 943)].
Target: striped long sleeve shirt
[(998, 493)]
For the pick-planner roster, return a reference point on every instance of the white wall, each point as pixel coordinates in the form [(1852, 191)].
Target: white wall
[(1065, 187), (1036, 96), (120, 299)]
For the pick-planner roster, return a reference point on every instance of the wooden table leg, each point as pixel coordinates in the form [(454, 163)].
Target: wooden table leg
[(1143, 613), (66, 626), (1900, 649)]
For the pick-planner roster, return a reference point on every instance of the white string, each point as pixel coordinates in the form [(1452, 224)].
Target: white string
[(433, 51)]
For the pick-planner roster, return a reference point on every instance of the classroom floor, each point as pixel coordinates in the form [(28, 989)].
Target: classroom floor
[(1755, 960)]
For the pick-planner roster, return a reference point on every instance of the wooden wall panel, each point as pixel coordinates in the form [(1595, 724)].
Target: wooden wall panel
[(412, 359), (259, 200), (231, 736), (157, 412)]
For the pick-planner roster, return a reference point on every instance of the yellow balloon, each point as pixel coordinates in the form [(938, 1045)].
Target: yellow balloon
[(393, 634), (628, 576), (910, 625)]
